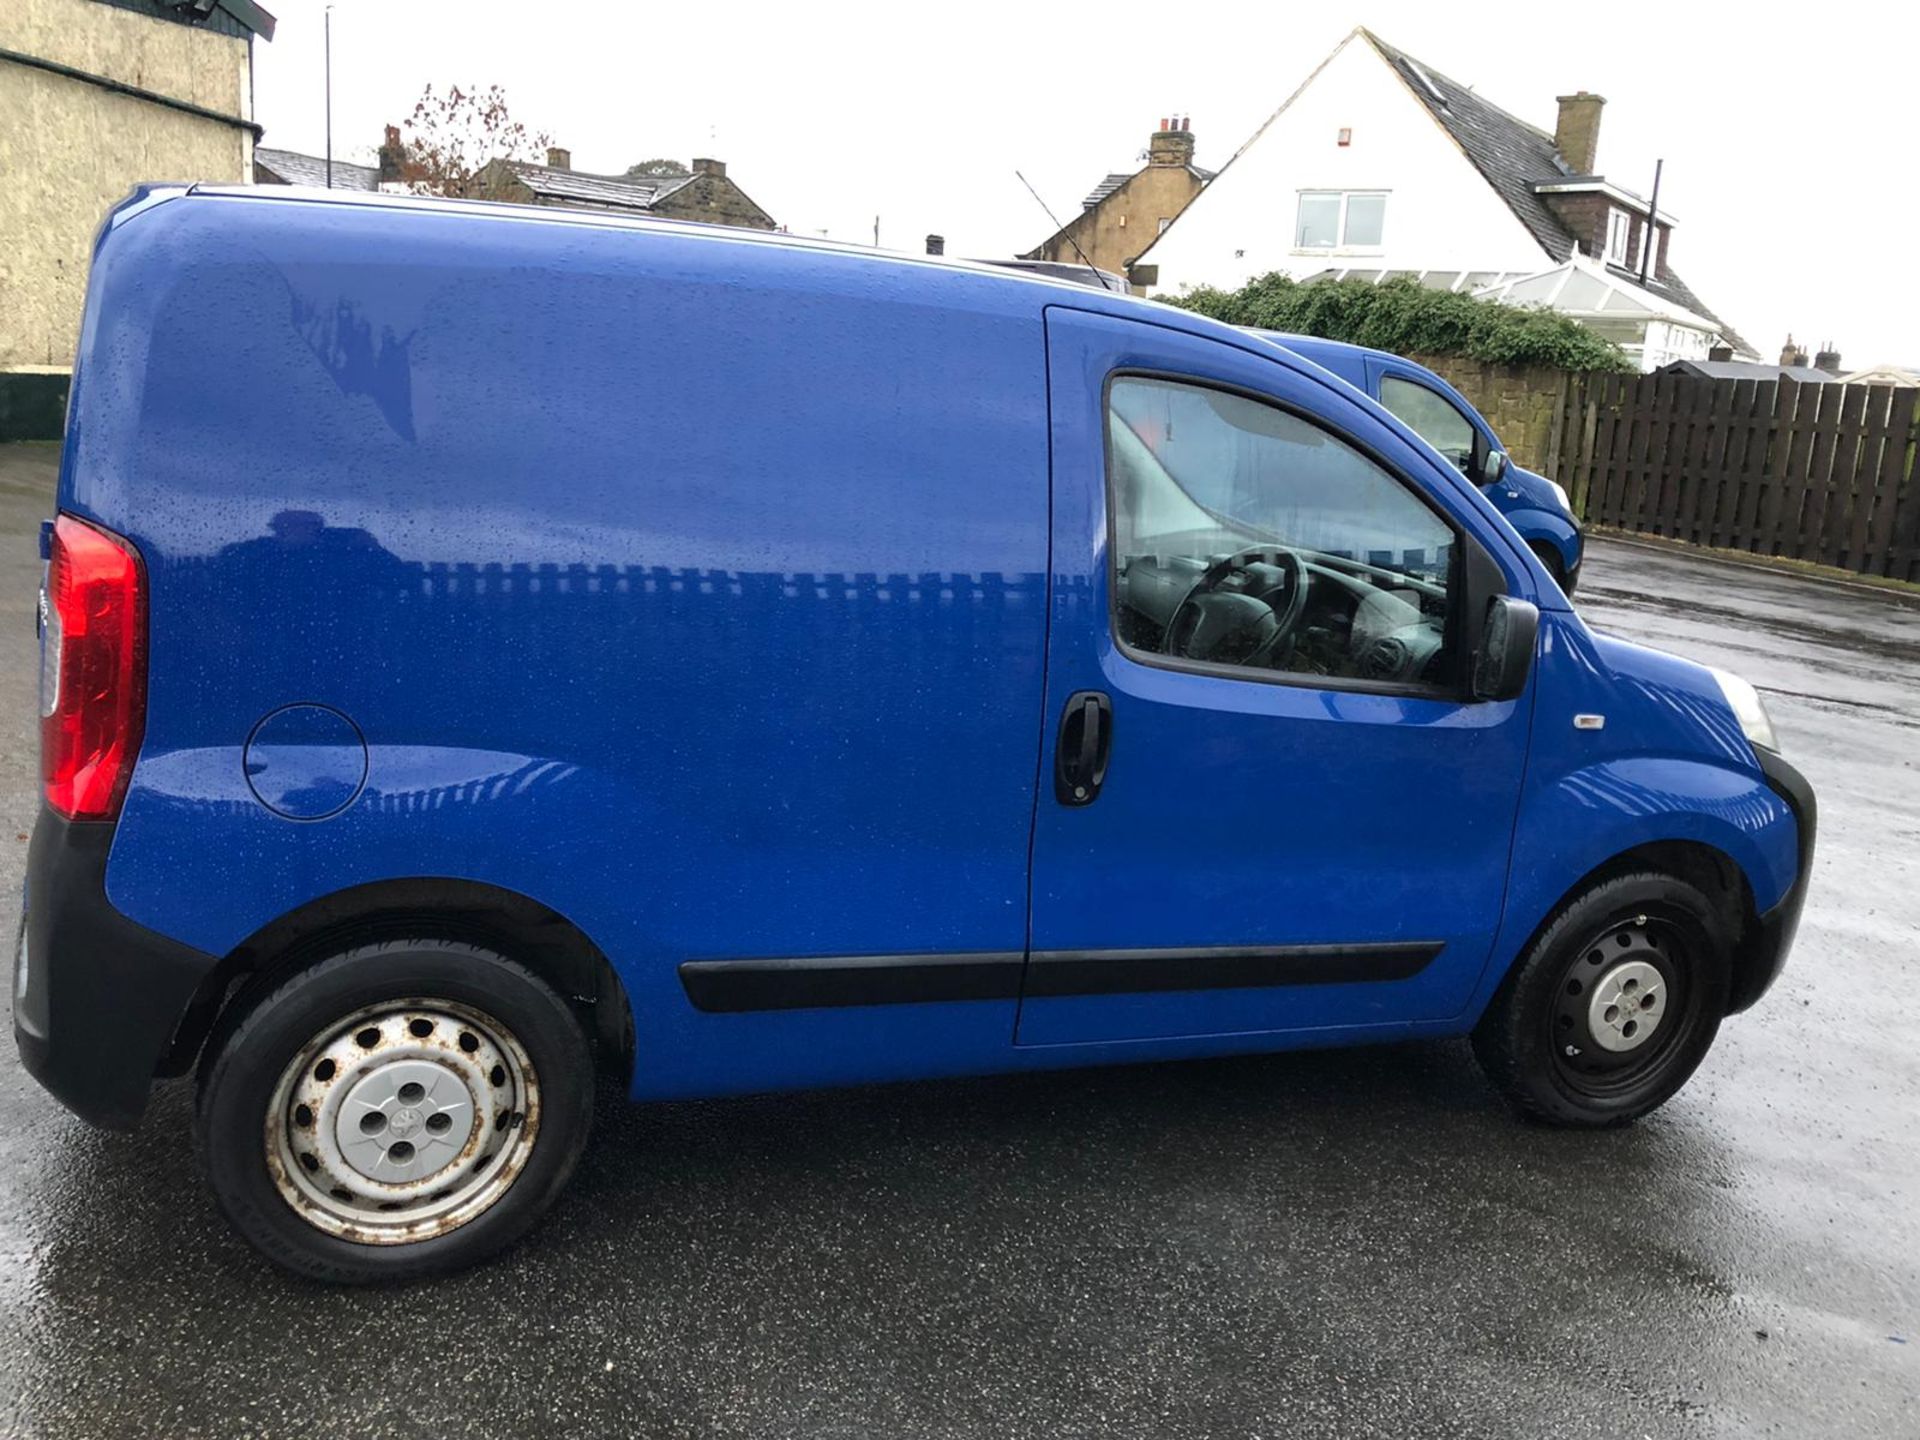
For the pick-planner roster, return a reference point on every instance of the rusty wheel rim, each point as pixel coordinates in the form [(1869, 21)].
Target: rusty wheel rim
[(402, 1121)]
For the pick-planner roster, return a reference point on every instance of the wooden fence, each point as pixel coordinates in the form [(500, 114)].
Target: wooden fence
[(1817, 472)]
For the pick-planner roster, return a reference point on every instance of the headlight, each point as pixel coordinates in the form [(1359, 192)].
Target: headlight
[(1745, 701), (1560, 494)]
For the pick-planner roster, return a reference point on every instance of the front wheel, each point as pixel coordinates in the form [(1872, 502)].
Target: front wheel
[(394, 1111), (1613, 1007)]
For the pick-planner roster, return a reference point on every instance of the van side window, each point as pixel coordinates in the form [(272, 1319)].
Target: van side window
[(1431, 416), (1244, 536)]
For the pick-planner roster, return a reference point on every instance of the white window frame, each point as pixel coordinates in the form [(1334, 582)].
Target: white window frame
[(1340, 245), (1619, 236), (1649, 261)]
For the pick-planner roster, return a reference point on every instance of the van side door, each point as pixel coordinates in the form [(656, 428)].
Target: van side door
[(1269, 805)]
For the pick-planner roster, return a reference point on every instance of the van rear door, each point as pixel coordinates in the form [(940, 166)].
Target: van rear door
[(1269, 804)]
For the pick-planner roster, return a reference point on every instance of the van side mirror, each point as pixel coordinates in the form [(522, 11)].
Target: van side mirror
[(1505, 655), (1485, 465)]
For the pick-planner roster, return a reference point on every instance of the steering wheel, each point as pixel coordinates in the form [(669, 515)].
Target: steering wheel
[(1235, 626)]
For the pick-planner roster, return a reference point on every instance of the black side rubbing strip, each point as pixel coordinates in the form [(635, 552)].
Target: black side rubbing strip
[(1222, 967), (727, 987)]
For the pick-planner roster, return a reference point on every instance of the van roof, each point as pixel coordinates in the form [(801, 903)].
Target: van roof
[(1081, 292)]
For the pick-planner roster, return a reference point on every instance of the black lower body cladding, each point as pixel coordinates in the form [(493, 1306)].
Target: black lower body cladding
[(1765, 950), (97, 998)]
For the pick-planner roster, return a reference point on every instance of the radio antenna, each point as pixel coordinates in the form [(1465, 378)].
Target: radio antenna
[(1061, 229)]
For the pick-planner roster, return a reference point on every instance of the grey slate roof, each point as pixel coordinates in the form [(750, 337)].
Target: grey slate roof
[(617, 192), (1120, 177), (1514, 157), (290, 167), (241, 19), (1745, 370)]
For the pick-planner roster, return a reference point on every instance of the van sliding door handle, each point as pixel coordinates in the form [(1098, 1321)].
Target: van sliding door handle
[(1085, 743)]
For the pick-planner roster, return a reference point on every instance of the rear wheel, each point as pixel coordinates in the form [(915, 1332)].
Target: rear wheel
[(396, 1110), (1613, 1007)]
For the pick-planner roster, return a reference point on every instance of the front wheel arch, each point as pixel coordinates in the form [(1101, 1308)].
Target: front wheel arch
[(1711, 871)]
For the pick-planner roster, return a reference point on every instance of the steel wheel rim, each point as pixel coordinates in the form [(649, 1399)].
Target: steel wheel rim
[(1621, 1006), (402, 1121)]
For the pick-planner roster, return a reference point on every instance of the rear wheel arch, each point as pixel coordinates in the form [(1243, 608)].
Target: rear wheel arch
[(465, 911)]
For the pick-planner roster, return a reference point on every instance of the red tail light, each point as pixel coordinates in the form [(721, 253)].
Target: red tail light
[(93, 670)]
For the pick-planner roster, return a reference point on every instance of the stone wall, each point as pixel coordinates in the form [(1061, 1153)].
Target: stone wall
[(1522, 403), (714, 198), (69, 149)]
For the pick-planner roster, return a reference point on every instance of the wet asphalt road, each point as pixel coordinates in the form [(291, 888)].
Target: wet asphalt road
[(1343, 1243)]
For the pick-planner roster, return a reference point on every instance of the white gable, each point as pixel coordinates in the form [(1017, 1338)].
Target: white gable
[(1440, 213)]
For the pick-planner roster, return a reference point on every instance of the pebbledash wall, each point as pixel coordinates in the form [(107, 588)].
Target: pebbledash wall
[(71, 146)]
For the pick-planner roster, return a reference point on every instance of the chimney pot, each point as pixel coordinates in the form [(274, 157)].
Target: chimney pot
[(1172, 144), (558, 159), (716, 168), (936, 244), (1576, 134), (1828, 360)]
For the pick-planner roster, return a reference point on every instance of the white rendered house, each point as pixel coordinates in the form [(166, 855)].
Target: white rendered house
[(1379, 165)]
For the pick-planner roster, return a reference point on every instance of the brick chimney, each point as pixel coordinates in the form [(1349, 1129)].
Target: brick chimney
[(1576, 134), (1720, 352), (1828, 359), (1172, 143), (392, 156), (936, 244), (558, 159), (715, 168), (1791, 354)]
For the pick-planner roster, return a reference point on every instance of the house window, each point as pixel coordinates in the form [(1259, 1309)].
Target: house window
[(1340, 219), (1619, 228)]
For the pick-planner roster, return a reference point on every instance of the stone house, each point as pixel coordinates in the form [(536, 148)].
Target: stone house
[(700, 191), (1125, 212), (97, 96), (1379, 165)]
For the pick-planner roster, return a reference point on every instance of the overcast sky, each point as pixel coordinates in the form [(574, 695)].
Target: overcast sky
[(1788, 142)]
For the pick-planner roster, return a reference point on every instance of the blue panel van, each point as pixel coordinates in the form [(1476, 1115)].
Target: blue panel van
[(1439, 414), (488, 648)]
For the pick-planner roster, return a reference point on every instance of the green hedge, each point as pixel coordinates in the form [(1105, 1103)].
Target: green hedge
[(1406, 318)]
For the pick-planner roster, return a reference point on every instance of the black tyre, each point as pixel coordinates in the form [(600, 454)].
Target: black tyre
[(1614, 1005), (395, 1111)]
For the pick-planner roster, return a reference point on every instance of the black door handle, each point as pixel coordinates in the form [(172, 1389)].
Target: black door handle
[(1086, 742)]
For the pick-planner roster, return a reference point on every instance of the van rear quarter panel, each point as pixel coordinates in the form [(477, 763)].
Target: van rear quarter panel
[(692, 587)]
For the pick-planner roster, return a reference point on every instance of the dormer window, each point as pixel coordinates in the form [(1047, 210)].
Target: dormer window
[(1619, 230)]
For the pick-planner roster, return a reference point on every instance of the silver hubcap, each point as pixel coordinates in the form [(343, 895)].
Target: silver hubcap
[(1627, 1007), (402, 1122)]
